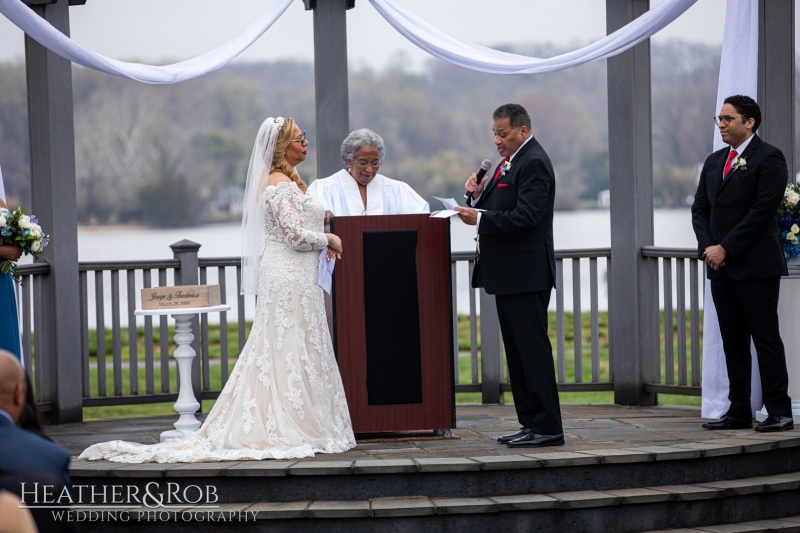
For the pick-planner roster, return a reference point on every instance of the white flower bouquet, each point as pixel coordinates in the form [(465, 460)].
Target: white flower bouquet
[(24, 231), (789, 221)]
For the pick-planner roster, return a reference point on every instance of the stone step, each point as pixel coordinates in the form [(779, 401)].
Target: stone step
[(627, 510), (717, 447), (534, 459), (465, 477), (420, 505), (790, 524)]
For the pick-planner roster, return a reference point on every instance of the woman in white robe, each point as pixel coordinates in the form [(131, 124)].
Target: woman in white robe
[(359, 189)]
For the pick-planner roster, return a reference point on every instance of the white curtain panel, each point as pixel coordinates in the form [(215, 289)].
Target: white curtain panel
[(46, 35), (738, 73), (2, 189), (483, 59)]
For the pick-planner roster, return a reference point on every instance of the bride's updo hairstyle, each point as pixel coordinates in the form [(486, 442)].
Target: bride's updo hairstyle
[(278, 162)]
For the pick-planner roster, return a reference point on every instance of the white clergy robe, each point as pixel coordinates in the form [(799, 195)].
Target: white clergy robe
[(339, 194)]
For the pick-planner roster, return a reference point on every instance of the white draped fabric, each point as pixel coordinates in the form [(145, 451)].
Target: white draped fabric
[(2, 188), (45, 34), (420, 33), (483, 59), (738, 72)]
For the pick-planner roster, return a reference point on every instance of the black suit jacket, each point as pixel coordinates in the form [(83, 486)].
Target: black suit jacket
[(43, 488), (740, 213), (516, 227), (24, 451)]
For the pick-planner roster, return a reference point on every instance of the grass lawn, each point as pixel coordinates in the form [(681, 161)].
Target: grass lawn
[(464, 370)]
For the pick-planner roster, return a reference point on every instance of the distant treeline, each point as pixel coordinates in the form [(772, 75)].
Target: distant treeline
[(178, 154)]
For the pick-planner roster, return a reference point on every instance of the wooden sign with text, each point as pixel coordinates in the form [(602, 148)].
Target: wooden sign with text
[(180, 296)]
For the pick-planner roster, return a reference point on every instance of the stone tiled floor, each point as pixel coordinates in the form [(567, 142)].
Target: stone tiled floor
[(595, 435), (587, 427)]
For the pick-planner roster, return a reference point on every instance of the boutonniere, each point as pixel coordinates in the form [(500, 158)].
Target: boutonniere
[(506, 167), (740, 163)]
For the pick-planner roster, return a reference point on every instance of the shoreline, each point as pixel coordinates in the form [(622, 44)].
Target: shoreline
[(101, 228)]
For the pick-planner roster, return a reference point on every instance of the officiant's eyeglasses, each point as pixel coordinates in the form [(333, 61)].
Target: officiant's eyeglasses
[(724, 119), (362, 164), (302, 138)]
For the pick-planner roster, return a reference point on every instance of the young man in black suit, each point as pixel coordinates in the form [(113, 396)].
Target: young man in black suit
[(516, 262), (735, 220)]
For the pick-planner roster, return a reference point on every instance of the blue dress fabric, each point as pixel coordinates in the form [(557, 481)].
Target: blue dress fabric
[(9, 320)]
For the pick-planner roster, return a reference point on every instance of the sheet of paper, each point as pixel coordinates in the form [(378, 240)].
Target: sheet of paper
[(444, 213), (449, 205), (325, 271)]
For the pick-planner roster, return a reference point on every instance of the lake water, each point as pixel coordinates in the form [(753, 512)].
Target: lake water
[(572, 230)]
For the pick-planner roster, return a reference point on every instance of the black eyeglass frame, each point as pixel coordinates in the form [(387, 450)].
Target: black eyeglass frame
[(726, 119)]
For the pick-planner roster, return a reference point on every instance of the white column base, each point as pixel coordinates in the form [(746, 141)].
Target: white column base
[(174, 434), (788, 308)]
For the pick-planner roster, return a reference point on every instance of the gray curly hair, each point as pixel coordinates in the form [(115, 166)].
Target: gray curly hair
[(357, 140)]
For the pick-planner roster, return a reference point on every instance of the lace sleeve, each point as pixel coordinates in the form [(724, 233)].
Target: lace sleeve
[(287, 205)]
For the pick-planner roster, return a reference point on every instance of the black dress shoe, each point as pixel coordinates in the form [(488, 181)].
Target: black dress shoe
[(508, 438), (728, 422), (776, 423), (534, 440)]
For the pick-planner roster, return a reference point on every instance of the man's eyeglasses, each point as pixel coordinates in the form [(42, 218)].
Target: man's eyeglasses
[(362, 163), (724, 119), (302, 138)]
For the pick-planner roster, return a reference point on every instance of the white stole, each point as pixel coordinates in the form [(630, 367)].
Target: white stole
[(352, 195)]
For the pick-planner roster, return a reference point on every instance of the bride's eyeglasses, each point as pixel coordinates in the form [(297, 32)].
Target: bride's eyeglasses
[(302, 138)]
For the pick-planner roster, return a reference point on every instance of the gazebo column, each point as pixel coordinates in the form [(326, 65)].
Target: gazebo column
[(633, 280), (776, 89), (776, 76), (52, 148), (330, 81)]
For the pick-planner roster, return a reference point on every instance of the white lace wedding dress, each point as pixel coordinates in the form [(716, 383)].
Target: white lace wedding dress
[(284, 398)]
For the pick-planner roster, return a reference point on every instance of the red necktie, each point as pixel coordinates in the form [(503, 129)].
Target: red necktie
[(727, 170), (500, 169)]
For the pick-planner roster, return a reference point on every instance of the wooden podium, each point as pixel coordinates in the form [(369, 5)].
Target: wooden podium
[(393, 322)]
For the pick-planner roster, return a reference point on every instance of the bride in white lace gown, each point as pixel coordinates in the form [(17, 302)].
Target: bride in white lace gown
[(284, 398)]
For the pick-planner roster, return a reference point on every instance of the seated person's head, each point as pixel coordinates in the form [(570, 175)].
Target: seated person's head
[(363, 152), (12, 385), (30, 418)]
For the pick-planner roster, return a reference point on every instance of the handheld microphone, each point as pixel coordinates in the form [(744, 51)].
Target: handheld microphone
[(485, 165)]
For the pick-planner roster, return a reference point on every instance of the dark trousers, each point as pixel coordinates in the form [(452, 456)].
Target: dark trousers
[(749, 308), (523, 322)]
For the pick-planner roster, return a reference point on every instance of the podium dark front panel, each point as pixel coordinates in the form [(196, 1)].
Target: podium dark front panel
[(394, 368), (393, 322)]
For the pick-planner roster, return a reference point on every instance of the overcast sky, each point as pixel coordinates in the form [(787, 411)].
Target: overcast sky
[(159, 31)]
